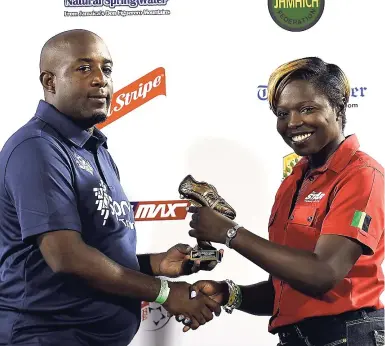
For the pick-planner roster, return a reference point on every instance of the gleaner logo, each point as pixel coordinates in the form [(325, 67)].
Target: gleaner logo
[(160, 210), (296, 15), (314, 197), (136, 94)]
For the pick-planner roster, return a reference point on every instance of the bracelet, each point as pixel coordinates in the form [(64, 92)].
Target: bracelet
[(235, 297), (163, 293)]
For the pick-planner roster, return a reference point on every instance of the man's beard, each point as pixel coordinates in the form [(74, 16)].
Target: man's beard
[(96, 118), (99, 118)]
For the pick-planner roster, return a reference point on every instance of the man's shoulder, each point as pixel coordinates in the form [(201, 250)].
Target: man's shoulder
[(33, 131)]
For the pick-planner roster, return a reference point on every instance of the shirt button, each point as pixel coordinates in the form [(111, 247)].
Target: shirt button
[(291, 217), (310, 218)]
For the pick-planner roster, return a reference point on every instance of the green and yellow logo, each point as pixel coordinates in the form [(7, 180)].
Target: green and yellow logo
[(289, 161), (296, 15)]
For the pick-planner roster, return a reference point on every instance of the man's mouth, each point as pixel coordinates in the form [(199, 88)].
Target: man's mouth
[(98, 98)]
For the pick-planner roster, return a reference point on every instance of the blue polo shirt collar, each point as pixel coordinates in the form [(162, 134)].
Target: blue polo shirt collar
[(66, 127)]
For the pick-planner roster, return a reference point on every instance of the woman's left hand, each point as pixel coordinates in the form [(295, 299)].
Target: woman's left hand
[(207, 224)]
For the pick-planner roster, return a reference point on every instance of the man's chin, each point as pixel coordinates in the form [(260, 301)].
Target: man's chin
[(89, 121), (100, 118)]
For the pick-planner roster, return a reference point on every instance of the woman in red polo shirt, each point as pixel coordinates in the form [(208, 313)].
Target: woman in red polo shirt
[(326, 229)]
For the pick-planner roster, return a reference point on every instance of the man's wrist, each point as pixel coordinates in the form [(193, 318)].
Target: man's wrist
[(164, 292), (155, 260), (150, 263)]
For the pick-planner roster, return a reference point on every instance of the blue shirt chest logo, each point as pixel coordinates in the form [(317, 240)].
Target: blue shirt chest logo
[(121, 210)]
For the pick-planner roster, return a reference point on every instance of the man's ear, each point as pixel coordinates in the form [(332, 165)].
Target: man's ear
[(47, 80)]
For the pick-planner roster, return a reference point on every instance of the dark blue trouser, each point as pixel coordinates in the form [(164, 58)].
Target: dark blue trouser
[(354, 328)]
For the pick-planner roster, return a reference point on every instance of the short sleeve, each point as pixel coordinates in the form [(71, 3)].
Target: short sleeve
[(38, 180), (357, 209)]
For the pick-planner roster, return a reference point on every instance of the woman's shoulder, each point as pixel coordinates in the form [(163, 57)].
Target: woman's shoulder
[(362, 159)]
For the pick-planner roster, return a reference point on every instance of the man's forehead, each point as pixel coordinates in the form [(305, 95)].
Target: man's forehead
[(94, 50)]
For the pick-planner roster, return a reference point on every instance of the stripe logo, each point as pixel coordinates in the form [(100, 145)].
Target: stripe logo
[(361, 220)]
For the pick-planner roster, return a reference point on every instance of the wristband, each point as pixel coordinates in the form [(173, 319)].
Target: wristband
[(235, 297), (163, 293)]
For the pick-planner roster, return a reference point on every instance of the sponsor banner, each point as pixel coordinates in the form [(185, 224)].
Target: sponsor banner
[(160, 210), (136, 94), (357, 93), (115, 8), (296, 15), (154, 316), (289, 161)]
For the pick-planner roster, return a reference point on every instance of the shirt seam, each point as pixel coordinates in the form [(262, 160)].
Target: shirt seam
[(340, 233)]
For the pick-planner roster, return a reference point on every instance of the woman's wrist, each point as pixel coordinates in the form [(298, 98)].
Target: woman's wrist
[(234, 300)]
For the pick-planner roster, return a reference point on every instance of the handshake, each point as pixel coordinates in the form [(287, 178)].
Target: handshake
[(194, 305)]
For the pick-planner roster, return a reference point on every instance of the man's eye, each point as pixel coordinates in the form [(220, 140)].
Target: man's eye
[(107, 71), (84, 68)]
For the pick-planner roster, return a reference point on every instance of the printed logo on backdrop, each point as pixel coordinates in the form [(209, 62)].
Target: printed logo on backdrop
[(160, 210), (136, 94), (296, 15), (154, 316), (289, 161), (115, 8), (357, 93)]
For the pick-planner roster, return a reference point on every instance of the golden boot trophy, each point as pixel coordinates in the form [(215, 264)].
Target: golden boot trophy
[(200, 193)]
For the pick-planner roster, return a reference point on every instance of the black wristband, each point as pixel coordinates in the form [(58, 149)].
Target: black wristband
[(145, 264)]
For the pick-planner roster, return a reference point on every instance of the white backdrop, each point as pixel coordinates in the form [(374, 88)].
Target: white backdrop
[(211, 124)]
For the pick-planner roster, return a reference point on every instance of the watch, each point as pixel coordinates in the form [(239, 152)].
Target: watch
[(231, 234)]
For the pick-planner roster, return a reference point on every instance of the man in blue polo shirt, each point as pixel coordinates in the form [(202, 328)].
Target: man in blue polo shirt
[(69, 273)]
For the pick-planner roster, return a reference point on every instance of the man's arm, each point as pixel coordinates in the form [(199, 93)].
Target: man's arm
[(65, 252), (39, 182)]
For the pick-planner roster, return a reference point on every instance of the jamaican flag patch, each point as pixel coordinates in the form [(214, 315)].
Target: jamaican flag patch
[(361, 220)]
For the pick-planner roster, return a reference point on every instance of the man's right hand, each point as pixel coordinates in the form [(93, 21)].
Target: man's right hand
[(214, 290), (198, 310)]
